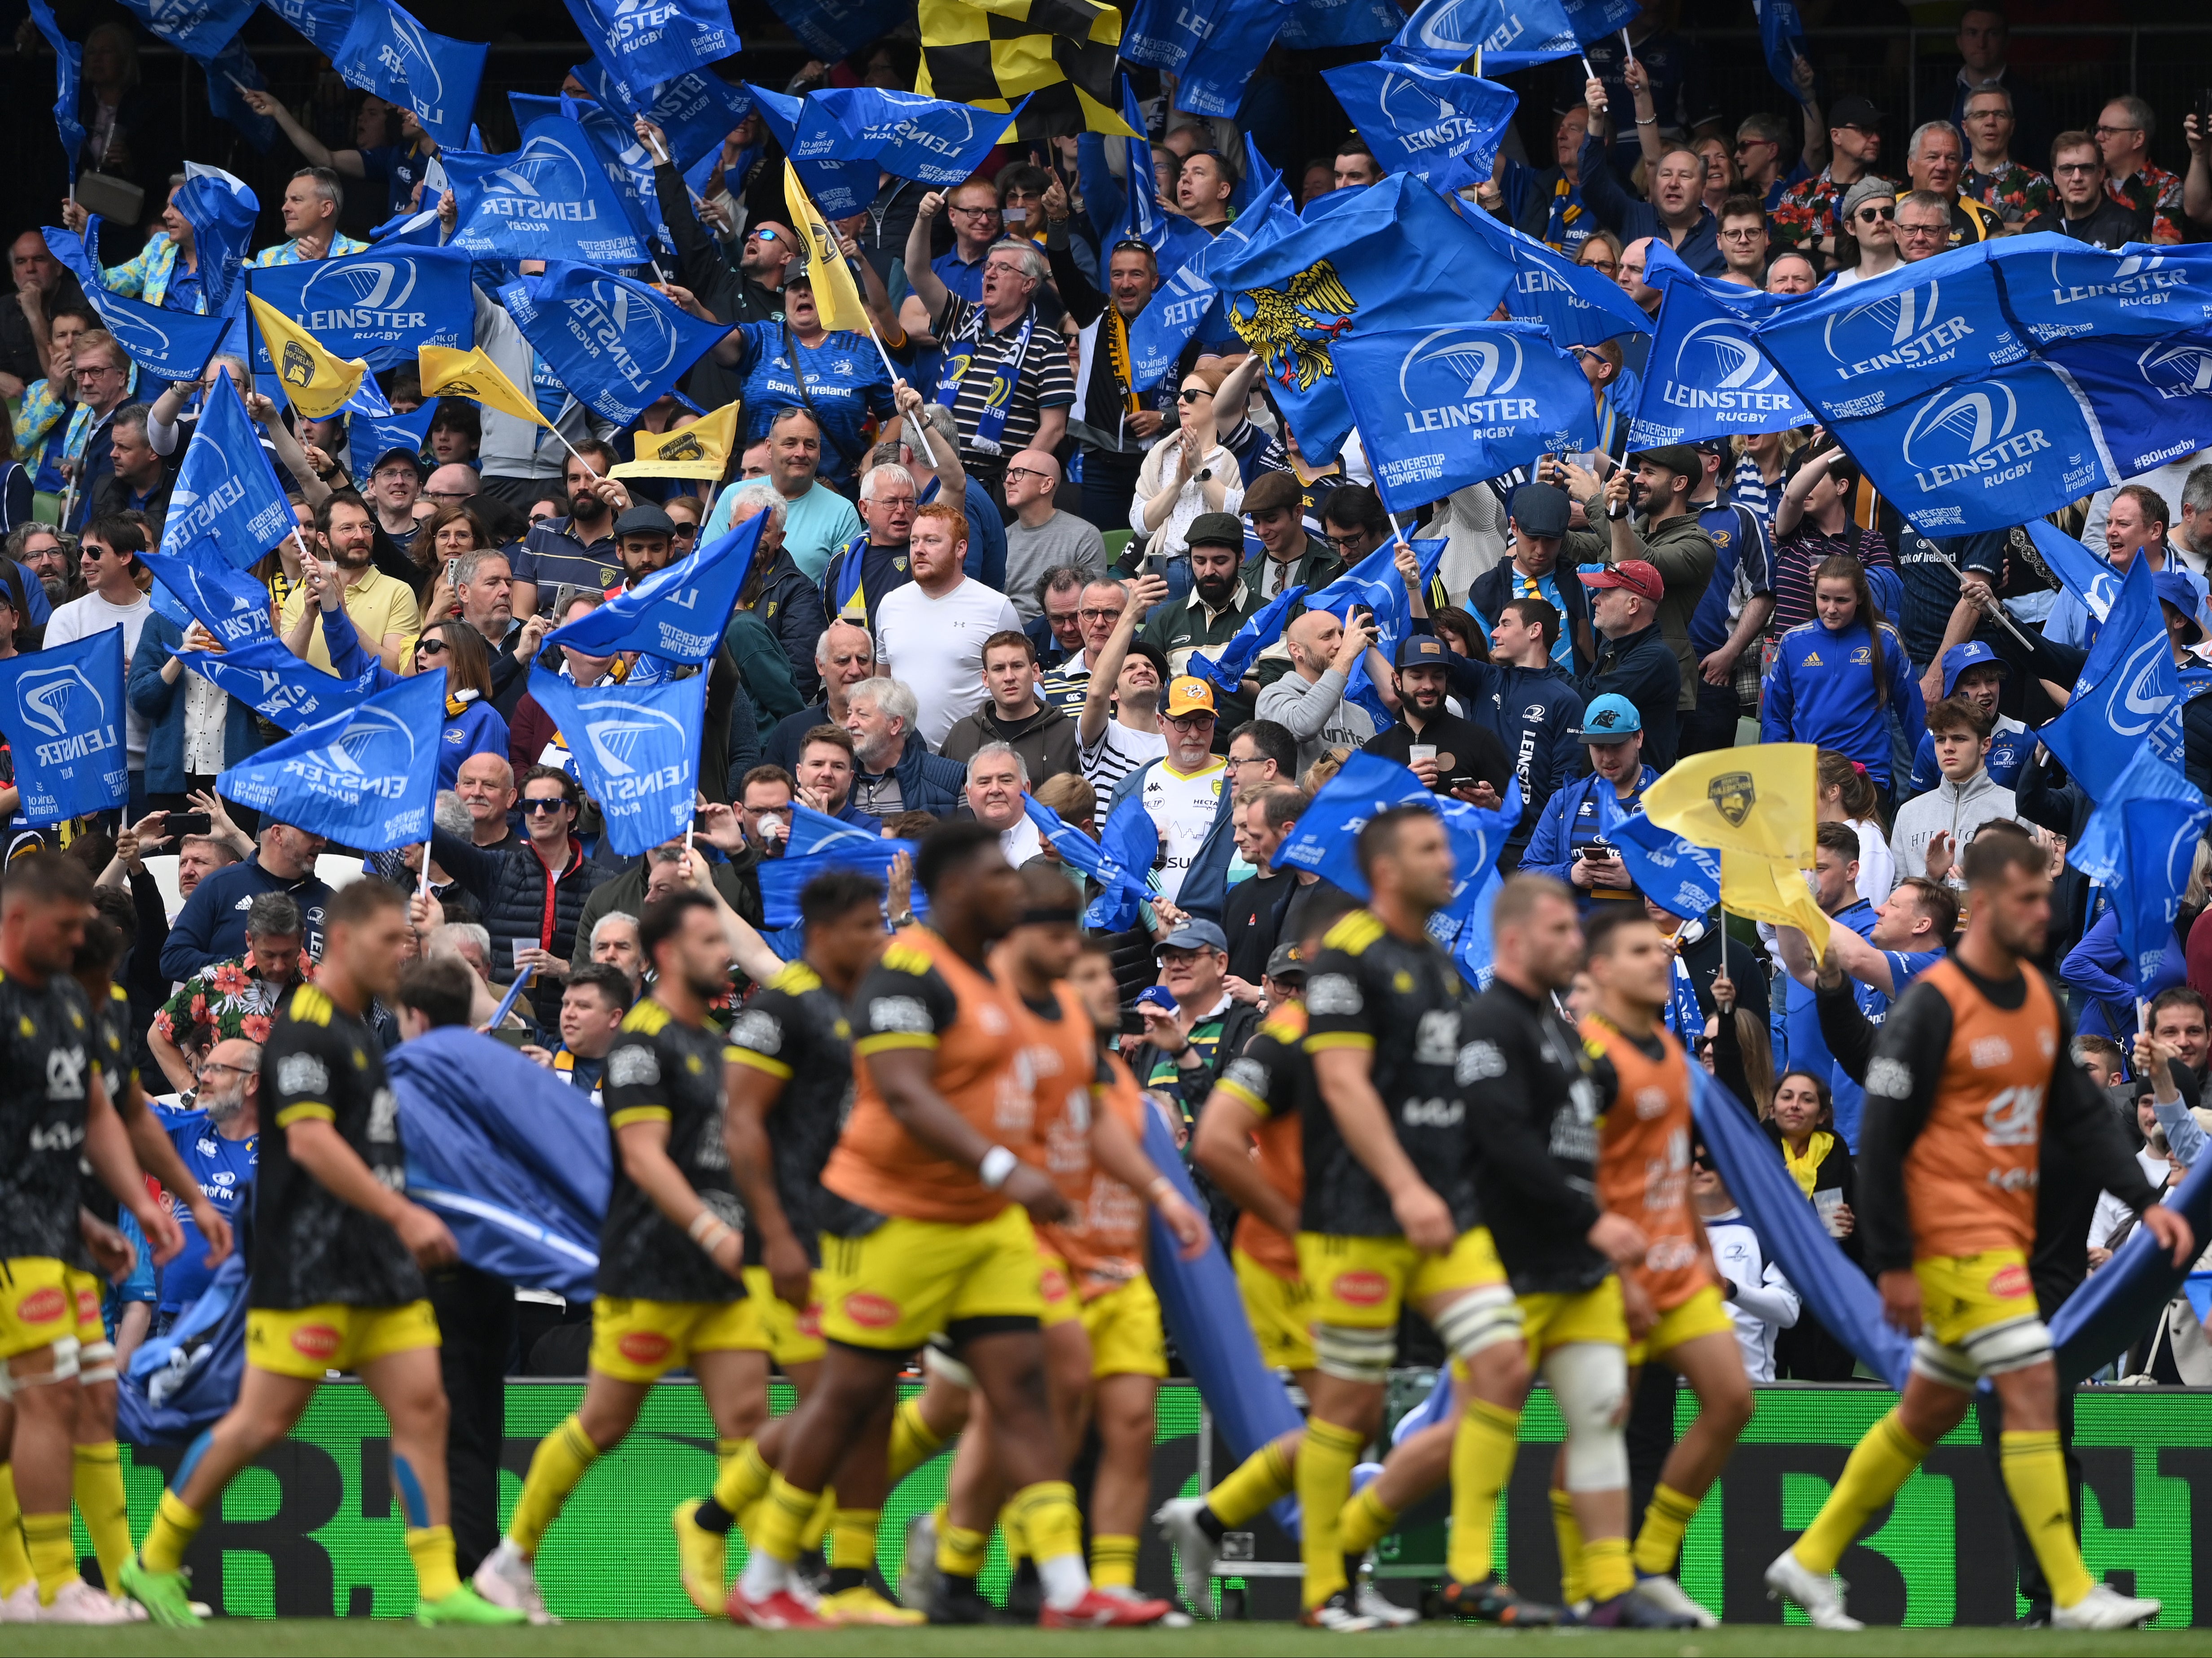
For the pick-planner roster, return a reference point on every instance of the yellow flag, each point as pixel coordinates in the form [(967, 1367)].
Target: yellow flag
[(317, 383), (701, 449), (1764, 801), (836, 298), (471, 374), (1771, 891)]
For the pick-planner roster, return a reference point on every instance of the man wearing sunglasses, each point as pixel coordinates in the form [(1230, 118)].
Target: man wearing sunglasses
[(1869, 216), (529, 925), (751, 293), (1808, 214)]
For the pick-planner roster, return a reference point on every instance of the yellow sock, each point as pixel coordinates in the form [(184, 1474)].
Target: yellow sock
[(1010, 1529), (14, 1558), (1574, 1584), (1113, 1562), (431, 1548), (97, 1484), (560, 1461), (781, 1520), (1483, 1447), (53, 1558), (853, 1539), (817, 1523), (2035, 1480), (1882, 1461), (1365, 1521), (960, 1551), (1606, 1560), (1260, 1480), (1659, 1543), (913, 1441), (741, 1477), (1050, 1523), (175, 1525), (1325, 1459)]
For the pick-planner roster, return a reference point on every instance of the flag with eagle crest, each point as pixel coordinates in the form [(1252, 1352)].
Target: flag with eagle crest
[(1397, 257), (992, 53)]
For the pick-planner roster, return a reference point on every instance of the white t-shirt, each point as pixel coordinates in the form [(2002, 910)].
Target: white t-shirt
[(1182, 809), (1020, 843), (1742, 1260), (936, 646), (80, 618), (1119, 750)]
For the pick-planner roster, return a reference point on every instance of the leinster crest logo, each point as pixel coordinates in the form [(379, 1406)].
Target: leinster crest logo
[(1291, 326), (1733, 795)]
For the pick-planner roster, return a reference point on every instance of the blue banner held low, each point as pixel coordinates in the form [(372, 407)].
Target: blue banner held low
[(276, 684), (226, 492), (366, 777), (169, 345), (64, 714), (678, 613), (229, 604), (2128, 697)]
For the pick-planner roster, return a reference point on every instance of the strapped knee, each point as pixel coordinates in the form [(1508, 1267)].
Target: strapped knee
[(2017, 1345), (1480, 1320), (66, 1350), (938, 1360), (96, 1363), (1589, 1381), (1354, 1355)]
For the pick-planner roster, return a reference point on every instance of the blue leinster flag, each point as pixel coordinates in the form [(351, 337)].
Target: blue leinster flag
[(1707, 374), (636, 749), (1442, 407), (615, 343), (229, 604), (63, 712), (678, 613), (1441, 128), (276, 684), (367, 777), (387, 52), (381, 307), (548, 200), (226, 491)]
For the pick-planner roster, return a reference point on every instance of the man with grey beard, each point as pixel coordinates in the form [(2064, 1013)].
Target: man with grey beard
[(219, 1138)]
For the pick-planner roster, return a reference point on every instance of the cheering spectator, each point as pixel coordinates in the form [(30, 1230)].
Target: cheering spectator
[(310, 208), (1309, 701), (1668, 539), (875, 562), (1813, 524), (1188, 479), (2013, 192), (1975, 674), (1111, 420), (533, 896), (381, 607), (826, 770), (1676, 214), (1185, 794), (1118, 725), (1934, 160), (194, 730), (576, 549), (1802, 1125)]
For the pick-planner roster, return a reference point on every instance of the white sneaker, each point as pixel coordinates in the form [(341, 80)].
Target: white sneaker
[(2105, 1607), (1371, 1602), (1195, 1552), (21, 1606), (1126, 1592), (81, 1603), (1822, 1596), (132, 1609), (1662, 1590), (918, 1581), (505, 1579)]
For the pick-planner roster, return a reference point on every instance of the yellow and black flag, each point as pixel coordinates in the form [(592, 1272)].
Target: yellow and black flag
[(992, 53)]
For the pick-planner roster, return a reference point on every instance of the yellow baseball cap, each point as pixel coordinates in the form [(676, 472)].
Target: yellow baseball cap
[(1187, 695)]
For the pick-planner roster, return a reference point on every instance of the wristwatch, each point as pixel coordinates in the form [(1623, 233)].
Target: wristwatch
[(1206, 475)]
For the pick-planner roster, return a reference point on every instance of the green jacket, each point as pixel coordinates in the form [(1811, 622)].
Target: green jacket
[(765, 668)]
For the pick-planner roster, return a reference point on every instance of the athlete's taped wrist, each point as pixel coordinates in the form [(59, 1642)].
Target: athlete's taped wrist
[(997, 1164), (1159, 1191), (709, 1229)]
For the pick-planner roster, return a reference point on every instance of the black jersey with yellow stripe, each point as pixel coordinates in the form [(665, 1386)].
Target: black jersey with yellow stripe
[(321, 1064), (1398, 1001), (795, 1030), (45, 1057), (661, 1070)]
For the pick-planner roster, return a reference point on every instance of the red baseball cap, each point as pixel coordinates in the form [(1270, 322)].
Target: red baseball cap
[(1633, 573)]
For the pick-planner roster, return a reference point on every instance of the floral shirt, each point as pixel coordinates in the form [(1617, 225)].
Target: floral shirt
[(289, 252), (230, 998), (1807, 210), (2014, 193), (2154, 194)]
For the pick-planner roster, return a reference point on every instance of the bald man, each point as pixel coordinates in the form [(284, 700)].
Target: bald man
[(452, 484), (1041, 536), (1309, 701)]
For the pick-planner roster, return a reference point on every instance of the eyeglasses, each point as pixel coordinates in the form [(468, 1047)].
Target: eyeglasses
[(207, 1066), (1607, 265), (1742, 144), (1100, 616), (1909, 230), (1013, 472), (760, 235), (2100, 130), (1232, 762), (976, 212), (1751, 235), (1869, 215), (429, 647), (454, 494), (538, 804), (2064, 168), (1192, 394), (1350, 543)]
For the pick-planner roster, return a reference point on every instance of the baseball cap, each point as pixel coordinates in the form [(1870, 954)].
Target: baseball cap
[(1187, 696), (1423, 651), (1679, 458), (1286, 963), (1216, 530), (644, 520), (2174, 588), (1540, 509), (1854, 112), (1971, 654), (1195, 933), (1609, 718), (405, 451), (1633, 574)]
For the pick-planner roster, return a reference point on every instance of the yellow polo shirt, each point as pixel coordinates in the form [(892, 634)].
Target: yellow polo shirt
[(377, 605)]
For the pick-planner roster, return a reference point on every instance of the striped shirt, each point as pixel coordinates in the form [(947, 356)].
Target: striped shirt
[(1119, 750), (1800, 555), (1044, 382)]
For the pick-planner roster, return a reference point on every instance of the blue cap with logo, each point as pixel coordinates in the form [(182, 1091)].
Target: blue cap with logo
[(1423, 651), (1195, 933), (1609, 718), (1971, 654)]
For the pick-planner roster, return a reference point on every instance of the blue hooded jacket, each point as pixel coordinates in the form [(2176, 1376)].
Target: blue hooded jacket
[(1821, 690), (1570, 816)]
